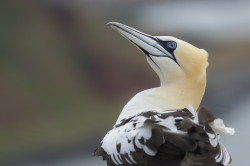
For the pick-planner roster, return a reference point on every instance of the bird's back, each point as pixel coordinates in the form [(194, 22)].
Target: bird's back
[(169, 138)]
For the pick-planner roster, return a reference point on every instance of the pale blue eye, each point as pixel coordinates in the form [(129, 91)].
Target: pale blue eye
[(171, 44)]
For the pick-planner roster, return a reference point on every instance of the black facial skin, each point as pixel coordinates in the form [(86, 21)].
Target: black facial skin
[(170, 46)]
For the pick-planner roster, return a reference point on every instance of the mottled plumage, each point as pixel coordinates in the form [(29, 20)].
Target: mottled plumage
[(165, 138)]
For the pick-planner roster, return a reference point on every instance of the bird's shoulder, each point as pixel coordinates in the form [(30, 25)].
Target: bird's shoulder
[(143, 101)]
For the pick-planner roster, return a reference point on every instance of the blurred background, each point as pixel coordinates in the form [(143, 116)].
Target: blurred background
[(65, 75)]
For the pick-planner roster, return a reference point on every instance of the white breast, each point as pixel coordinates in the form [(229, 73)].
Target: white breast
[(152, 99)]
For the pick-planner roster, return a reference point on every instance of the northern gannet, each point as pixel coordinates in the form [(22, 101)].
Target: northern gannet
[(161, 126)]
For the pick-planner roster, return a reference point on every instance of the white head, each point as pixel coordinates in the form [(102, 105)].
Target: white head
[(171, 58)]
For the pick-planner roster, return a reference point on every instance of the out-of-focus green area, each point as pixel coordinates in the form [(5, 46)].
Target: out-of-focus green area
[(51, 93), (65, 76)]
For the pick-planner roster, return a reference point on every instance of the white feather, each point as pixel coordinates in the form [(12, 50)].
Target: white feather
[(191, 109), (170, 123), (223, 157), (213, 139), (219, 127), (149, 151)]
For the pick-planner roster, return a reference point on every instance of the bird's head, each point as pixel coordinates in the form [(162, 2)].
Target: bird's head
[(171, 58)]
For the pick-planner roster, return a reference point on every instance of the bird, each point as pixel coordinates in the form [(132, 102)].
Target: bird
[(165, 125)]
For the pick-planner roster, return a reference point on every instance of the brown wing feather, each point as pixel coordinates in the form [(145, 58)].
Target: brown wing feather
[(191, 145)]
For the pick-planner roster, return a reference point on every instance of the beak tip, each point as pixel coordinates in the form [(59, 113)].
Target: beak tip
[(113, 24), (109, 23)]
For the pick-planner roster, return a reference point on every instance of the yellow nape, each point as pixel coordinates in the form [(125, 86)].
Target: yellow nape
[(191, 59)]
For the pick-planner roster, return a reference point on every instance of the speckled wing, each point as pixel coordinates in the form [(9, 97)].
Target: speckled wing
[(164, 138)]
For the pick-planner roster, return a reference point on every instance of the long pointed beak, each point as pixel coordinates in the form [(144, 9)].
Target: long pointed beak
[(150, 45)]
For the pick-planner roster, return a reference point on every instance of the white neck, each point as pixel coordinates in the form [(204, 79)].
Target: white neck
[(175, 95)]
